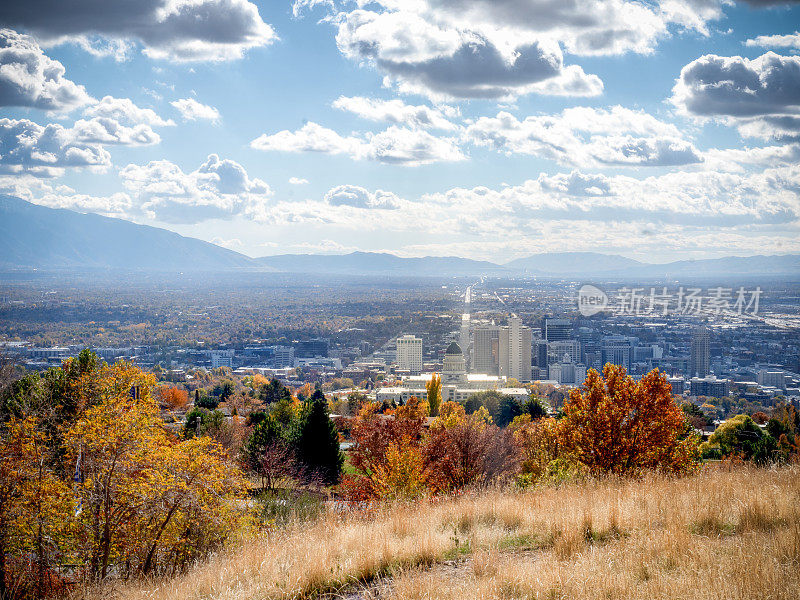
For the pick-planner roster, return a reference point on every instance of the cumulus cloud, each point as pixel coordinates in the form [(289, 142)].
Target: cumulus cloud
[(28, 77), (297, 181), (422, 56), (585, 136), (791, 41), (398, 112), (192, 110), (217, 189), (103, 130), (395, 145), (760, 96), (27, 147), (503, 48), (124, 110), (353, 195), (185, 30)]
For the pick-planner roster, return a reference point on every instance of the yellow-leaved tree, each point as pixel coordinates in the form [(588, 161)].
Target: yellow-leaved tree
[(434, 389), (148, 501)]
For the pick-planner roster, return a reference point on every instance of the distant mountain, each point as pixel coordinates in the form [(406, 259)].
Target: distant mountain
[(567, 263), (777, 264), (37, 237), (33, 236), (593, 264), (377, 263)]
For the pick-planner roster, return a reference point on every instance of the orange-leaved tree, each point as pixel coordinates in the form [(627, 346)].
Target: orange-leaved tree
[(387, 453), (617, 425), (463, 450)]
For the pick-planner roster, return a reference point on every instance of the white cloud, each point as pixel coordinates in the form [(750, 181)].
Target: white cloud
[(28, 77), (217, 189), (103, 130), (27, 147), (453, 49), (760, 96), (123, 109), (178, 30), (426, 56), (395, 145), (229, 244), (583, 136), (193, 110), (359, 197), (791, 41), (298, 181), (398, 112)]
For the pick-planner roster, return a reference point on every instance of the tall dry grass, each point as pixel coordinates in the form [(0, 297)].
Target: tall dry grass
[(720, 534)]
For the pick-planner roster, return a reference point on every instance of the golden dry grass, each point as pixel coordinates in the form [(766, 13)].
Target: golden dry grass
[(719, 534)]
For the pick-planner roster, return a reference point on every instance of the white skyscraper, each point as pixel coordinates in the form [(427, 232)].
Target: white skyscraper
[(485, 349), (514, 346), (409, 354)]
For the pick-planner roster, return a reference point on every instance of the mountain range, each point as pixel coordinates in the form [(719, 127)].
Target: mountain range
[(38, 237)]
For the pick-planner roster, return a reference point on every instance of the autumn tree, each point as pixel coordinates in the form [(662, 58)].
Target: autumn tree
[(387, 454), (463, 450), (172, 398), (140, 489), (617, 425)]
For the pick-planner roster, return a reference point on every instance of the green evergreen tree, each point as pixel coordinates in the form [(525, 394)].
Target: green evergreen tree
[(317, 441)]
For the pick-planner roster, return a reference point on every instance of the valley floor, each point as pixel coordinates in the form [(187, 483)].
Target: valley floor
[(723, 533)]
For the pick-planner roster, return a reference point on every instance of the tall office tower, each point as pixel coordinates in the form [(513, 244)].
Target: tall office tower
[(539, 353), (409, 354), (464, 337), (699, 361), (557, 329), (617, 350), (515, 350), (485, 349)]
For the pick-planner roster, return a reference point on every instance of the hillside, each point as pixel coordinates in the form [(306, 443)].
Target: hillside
[(37, 237), (719, 534)]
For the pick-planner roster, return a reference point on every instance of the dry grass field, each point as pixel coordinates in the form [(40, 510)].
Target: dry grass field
[(723, 533)]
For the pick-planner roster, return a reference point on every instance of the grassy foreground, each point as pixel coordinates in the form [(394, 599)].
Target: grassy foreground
[(719, 534)]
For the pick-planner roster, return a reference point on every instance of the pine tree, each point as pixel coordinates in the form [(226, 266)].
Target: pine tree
[(318, 441)]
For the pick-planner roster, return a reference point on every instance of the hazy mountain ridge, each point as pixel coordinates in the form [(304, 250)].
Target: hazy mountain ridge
[(38, 237)]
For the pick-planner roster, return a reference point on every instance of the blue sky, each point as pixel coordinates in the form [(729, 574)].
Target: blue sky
[(492, 129)]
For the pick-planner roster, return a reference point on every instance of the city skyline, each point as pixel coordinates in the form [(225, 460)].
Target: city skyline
[(659, 131)]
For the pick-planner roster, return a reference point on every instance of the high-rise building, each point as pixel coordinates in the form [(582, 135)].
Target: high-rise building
[(557, 329), (514, 356), (486, 349), (617, 350), (557, 350), (539, 354), (699, 362), (409, 354), (464, 337)]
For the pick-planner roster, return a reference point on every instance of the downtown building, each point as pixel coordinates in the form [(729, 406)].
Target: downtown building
[(514, 350), (409, 354)]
